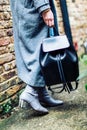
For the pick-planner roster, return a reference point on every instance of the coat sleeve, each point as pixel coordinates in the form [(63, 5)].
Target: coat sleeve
[(41, 5)]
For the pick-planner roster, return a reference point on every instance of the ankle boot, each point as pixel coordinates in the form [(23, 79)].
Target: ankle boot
[(30, 96), (46, 99)]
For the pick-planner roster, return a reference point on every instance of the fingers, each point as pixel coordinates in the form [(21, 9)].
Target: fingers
[(51, 23)]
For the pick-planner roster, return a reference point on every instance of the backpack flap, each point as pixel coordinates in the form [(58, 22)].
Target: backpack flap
[(55, 43)]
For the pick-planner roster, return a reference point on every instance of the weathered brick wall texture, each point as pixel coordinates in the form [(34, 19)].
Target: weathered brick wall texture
[(9, 82), (77, 10)]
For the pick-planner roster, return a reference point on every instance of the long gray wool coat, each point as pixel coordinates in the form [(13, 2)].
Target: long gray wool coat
[(29, 31)]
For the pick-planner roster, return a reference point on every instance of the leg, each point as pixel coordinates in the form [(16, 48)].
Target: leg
[(30, 96)]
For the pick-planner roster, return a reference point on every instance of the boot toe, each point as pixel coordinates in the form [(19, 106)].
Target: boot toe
[(51, 102)]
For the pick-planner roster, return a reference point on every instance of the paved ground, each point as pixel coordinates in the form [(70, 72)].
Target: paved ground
[(71, 116)]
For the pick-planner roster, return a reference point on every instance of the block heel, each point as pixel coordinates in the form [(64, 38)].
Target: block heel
[(23, 104)]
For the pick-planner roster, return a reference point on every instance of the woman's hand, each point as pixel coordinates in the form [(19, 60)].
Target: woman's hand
[(48, 18)]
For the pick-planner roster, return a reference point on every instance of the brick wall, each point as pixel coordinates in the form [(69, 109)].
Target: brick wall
[(77, 10), (9, 82)]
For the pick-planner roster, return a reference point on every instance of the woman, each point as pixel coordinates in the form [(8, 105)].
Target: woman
[(31, 19)]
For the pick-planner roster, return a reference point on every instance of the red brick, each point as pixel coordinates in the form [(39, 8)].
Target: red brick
[(5, 58)]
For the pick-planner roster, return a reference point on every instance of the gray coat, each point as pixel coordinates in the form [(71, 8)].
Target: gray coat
[(29, 31)]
